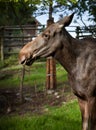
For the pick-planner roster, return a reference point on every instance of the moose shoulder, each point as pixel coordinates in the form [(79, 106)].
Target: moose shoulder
[(78, 57)]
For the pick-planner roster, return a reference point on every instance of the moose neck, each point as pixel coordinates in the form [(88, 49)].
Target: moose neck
[(66, 54)]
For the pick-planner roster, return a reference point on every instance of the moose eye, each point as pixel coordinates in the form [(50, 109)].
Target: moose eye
[(46, 35)]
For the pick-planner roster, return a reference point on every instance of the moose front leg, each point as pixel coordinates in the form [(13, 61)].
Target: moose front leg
[(84, 113), (88, 112)]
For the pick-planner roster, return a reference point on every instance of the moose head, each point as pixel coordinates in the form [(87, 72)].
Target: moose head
[(46, 44)]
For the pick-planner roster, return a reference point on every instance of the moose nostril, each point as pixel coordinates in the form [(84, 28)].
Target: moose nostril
[(22, 60)]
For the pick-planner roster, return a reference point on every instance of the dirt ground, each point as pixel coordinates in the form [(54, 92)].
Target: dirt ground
[(34, 102)]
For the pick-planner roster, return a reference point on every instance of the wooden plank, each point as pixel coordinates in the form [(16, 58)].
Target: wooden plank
[(2, 49), (52, 73), (48, 73)]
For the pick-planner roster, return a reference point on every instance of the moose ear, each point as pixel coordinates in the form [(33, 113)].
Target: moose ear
[(66, 20)]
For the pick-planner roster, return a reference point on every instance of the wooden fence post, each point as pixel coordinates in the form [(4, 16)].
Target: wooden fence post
[(2, 44), (77, 32), (50, 67), (21, 84), (52, 73), (48, 73)]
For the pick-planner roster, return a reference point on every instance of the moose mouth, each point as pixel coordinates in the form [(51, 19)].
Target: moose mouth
[(31, 60), (28, 62), (44, 52)]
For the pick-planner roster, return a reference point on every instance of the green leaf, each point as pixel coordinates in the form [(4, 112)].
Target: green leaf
[(74, 1)]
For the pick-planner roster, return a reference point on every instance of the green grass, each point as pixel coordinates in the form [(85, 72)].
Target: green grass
[(36, 75), (66, 117)]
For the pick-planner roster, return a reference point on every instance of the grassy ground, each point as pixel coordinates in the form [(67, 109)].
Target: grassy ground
[(62, 117), (66, 117), (34, 75)]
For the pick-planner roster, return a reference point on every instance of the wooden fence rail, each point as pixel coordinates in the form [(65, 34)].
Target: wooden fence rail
[(13, 37)]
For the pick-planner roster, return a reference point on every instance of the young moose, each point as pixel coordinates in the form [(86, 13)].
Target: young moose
[(78, 57)]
